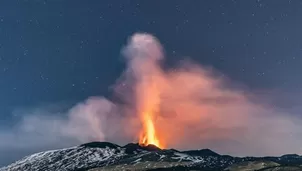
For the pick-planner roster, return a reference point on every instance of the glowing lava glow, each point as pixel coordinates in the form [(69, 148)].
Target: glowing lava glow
[(148, 135), (148, 94)]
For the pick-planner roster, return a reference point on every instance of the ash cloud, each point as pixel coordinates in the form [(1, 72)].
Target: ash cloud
[(195, 107)]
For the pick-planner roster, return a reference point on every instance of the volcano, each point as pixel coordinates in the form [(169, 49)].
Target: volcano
[(97, 156)]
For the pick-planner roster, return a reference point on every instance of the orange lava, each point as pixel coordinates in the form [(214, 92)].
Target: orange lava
[(148, 98), (148, 135)]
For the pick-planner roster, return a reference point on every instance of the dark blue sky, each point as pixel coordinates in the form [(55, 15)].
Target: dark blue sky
[(54, 51)]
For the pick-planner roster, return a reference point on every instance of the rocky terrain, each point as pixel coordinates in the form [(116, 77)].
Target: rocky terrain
[(105, 156)]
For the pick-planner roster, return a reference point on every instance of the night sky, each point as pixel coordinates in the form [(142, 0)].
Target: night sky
[(54, 52)]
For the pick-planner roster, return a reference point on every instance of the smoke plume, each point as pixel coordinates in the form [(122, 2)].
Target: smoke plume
[(194, 107)]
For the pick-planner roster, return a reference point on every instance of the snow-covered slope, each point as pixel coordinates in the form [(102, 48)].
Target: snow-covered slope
[(108, 155), (67, 159)]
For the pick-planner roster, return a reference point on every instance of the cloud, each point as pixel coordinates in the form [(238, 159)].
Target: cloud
[(194, 107)]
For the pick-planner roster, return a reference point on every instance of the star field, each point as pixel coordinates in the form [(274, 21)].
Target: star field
[(53, 51)]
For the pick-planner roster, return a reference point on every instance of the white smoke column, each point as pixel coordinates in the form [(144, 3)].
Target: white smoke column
[(144, 53)]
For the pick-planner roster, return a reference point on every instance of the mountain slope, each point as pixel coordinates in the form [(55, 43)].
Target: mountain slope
[(96, 156)]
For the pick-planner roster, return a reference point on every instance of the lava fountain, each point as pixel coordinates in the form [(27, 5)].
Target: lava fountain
[(149, 101), (148, 134)]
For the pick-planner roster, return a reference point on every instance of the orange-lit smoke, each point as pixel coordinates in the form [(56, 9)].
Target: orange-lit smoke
[(189, 106), (192, 106), (173, 105)]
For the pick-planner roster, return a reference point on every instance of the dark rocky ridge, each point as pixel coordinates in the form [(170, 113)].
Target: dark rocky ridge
[(100, 145), (202, 152), (96, 156)]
